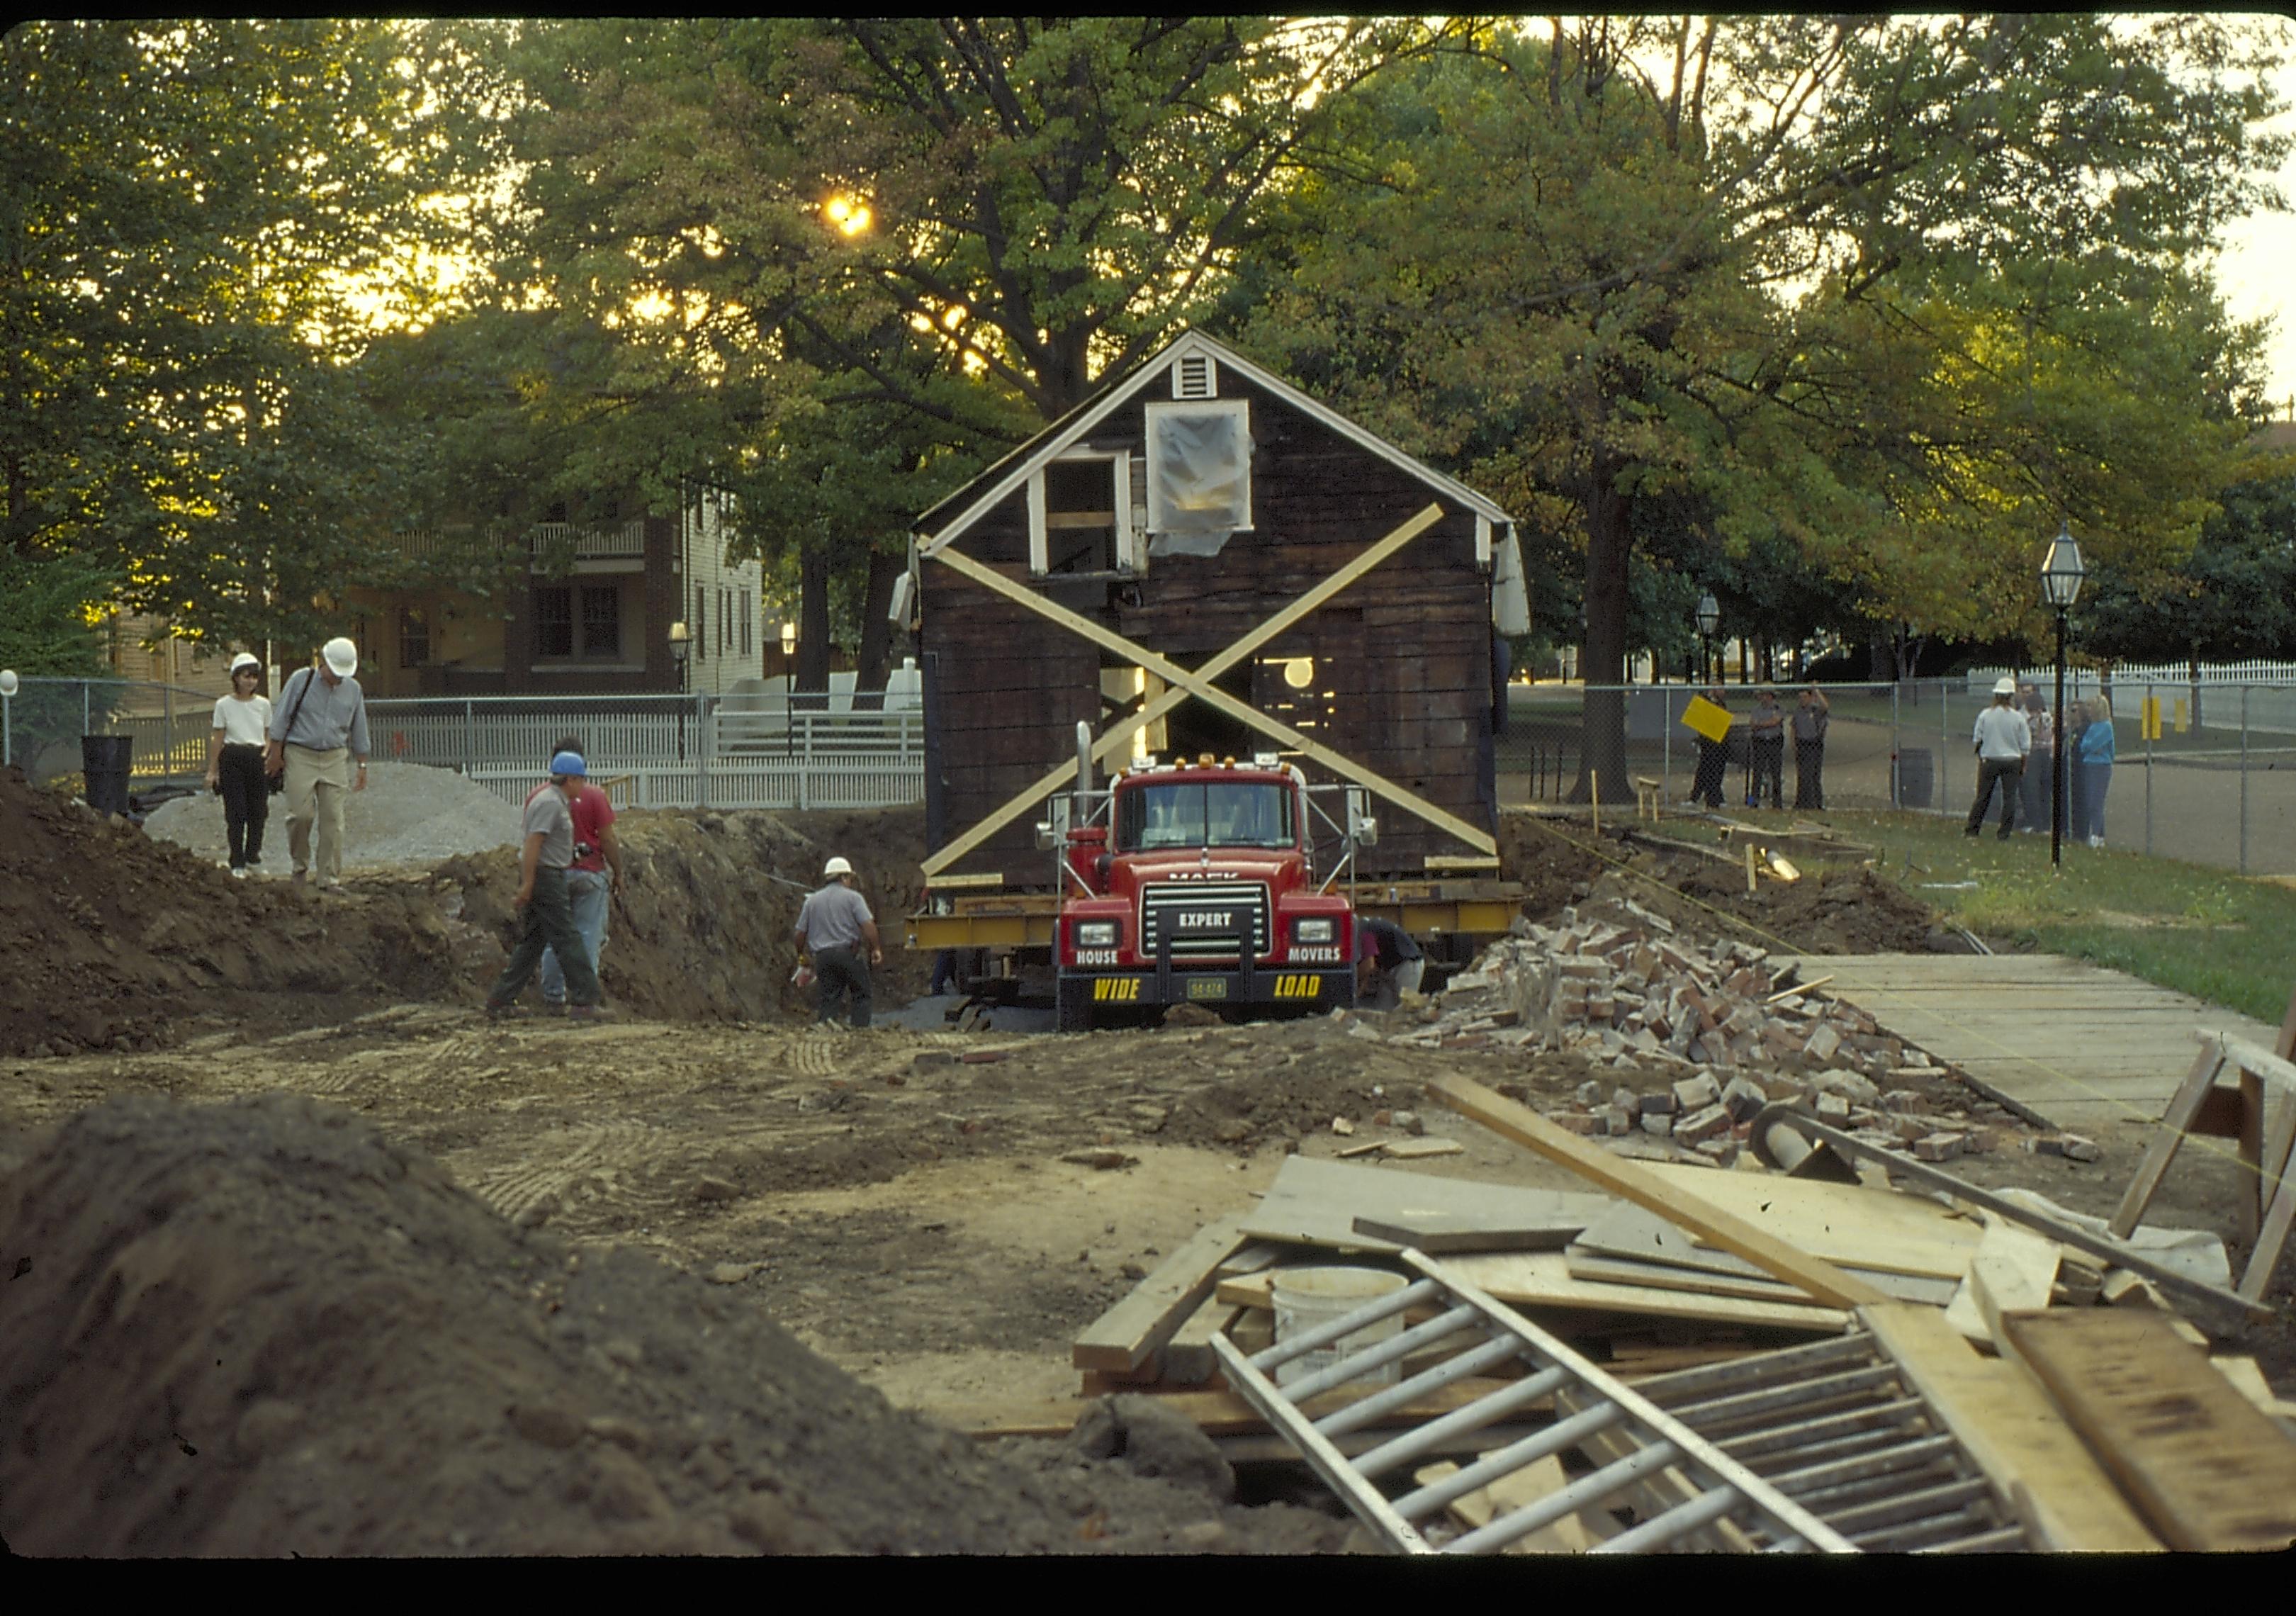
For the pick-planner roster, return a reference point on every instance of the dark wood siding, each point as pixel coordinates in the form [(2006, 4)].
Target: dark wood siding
[(1404, 654)]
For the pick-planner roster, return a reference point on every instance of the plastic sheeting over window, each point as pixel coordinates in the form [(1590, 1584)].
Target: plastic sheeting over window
[(1199, 476)]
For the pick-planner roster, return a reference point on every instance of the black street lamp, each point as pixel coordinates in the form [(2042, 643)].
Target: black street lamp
[(1710, 618), (2060, 580)]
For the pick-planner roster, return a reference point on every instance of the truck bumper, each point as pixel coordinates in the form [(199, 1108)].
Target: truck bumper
[(1268, 987)]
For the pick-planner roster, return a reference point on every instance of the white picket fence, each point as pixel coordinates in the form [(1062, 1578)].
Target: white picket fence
[(2259, 697)]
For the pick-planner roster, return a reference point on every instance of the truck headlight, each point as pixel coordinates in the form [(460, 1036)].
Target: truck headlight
[(1315, 930), (1095, 934)]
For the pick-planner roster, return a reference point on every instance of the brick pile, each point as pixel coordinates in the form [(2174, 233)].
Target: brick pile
[(1624, 990)]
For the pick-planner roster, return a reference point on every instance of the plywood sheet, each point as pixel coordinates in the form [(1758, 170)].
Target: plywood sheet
[(1633, 1236), (1316, 1204), (1544, 1279), (1842, 1222)]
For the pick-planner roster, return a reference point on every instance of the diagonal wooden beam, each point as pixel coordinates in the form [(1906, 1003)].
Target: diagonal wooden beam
[(1197, 685), (1120, 736)]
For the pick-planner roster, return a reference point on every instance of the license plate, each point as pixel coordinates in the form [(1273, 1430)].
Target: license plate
[(1208, 987)]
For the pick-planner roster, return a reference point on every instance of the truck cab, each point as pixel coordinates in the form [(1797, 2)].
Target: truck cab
[(1195, 883)]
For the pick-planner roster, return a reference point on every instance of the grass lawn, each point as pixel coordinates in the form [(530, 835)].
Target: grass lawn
[(2190, 927)]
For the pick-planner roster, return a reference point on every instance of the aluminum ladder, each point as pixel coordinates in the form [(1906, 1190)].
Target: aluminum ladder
[(1478, 1335), (1834, 1426)]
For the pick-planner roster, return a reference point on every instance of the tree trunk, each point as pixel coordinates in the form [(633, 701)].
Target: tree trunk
[(885, 569), (812, 619), (1609, 541)]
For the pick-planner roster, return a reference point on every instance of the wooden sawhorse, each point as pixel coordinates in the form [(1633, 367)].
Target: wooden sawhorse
[(2261, 1114), (1646, 796)]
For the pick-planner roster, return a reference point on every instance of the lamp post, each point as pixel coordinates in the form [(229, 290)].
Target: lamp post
[(2060, 580), (681, 645), (8, 688), (1710, 618)]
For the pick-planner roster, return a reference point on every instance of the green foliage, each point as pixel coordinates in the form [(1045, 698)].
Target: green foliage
[(2235, 597), (45, 624)]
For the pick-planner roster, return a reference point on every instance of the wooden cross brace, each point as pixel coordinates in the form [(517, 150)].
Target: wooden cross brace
[(1185, 684)]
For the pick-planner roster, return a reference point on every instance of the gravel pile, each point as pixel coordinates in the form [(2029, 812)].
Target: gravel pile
[(408, 814)]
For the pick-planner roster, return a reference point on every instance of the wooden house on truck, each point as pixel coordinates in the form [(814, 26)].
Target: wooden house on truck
[(1202, 560)]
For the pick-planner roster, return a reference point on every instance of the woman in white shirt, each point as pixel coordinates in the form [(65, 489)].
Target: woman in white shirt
[(236, 763)]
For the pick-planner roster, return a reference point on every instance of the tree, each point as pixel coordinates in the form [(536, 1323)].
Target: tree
[(2234, 597), (1853, 283), (892, 250), (198, 216)]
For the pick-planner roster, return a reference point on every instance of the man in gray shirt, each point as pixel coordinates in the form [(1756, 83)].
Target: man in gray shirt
[(318, 727), (546, 915), (834, 926), (2002, 740)]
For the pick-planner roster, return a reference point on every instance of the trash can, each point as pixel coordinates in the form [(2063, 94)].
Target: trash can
[(1915, 780), (104, 761)]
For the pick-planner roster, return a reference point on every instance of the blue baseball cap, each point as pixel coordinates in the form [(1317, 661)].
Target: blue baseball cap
[(570, 763)]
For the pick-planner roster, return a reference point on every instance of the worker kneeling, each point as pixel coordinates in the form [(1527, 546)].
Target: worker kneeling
[(1388, 964)]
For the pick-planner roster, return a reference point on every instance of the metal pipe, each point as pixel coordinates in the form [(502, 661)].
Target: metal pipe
[(2057, 756), (1399, 1346), (1489, 1355), (1665, 1527), (2148, 718), (1325, 1335), (1417, 1505), (2243, 779)]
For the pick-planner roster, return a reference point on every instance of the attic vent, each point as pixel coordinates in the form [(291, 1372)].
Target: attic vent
[(1195, 376)]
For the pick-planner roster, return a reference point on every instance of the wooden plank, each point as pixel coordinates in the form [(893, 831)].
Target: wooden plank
[(1123, 1338), (2012, 1272), (2204, 1465), (1314, 1202), (1629, 1233), (2037, 1466), (1517, 1490), (1440, 1234), (1544, 1279), (1774, 1256), (1748, 1282), (1658, 1492), (1188, 1357), (2162, 1149)]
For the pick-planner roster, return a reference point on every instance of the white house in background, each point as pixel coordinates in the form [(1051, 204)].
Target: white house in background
[(724, 604)]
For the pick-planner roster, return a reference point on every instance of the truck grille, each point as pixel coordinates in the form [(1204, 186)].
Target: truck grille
[(1192, 895)]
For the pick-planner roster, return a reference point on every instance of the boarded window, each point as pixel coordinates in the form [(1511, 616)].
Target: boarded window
[(413, 637), (602, 620), (553, 622), (1199, 475)]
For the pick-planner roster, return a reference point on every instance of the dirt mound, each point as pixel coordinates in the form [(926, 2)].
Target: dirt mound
[(702, 929), (1837, 912), (1550, 868), (261, 1326), (109, 939)]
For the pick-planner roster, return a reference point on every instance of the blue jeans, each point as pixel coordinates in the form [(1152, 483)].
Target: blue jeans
[(2094, 778), (585, 893)]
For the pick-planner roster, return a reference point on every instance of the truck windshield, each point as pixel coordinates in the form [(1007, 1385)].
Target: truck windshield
[(1239, 815)]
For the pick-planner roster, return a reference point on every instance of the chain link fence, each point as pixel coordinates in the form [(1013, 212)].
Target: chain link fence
[(2203, 772), (706, 750)]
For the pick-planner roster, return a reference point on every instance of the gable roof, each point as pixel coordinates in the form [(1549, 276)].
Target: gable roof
[(946, 522)]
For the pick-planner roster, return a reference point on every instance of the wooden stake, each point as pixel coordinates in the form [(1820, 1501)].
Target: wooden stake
[(1594, 795), (1749, 869)]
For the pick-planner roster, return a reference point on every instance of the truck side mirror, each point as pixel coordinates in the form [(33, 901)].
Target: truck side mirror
[(1363, 830)]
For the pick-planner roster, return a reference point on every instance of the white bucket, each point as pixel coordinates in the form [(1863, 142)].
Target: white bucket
[(1306, 1297)]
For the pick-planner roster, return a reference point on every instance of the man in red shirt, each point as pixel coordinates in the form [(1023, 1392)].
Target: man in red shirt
[(595, 874)]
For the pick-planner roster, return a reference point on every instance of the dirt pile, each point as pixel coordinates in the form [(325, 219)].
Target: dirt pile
[(1837, 910), (109, 939), (703, 930), (408, 814), (262, 1327)]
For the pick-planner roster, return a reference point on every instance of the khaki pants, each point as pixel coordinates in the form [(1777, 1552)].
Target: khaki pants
[(317, 784)]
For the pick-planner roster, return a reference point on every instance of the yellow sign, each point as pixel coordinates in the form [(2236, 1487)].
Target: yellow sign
[(1289, 987), (1709, 720), (2149, 720), (2183, 718), (1116, 988)]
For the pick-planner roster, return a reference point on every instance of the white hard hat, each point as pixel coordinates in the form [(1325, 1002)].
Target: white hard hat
[(246, 659), (341, 655), (837, 866), (2004, 686)]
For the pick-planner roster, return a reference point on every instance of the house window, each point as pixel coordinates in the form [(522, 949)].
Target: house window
[(1080, 515), (745, 623), (413, 637), (553, 622), (1199, 475), (602, 620), (701, 624), (725, 619)]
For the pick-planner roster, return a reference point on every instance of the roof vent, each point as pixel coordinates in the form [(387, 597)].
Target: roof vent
[(1195, 376)]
